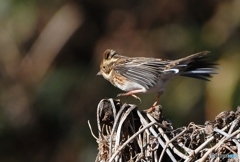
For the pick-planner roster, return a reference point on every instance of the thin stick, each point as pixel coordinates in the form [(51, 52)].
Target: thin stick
[(176, 151), (115, 124), (217, 145), (129, 139), (144, 122), (168, 142), (91, 130)]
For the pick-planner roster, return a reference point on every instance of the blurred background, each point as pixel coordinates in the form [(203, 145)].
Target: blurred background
[(50, 52)]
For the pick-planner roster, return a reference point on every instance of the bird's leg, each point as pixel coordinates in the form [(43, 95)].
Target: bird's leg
[(131, 93), (138, 98), (156, 100), (152, 108)]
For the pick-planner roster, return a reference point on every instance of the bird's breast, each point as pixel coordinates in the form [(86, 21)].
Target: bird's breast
[(125, 84)]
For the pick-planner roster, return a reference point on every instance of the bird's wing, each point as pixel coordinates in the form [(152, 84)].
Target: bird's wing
[(148, 71), (144, 71)]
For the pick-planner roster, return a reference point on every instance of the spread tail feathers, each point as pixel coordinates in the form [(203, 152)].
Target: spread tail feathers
[(197, 66)]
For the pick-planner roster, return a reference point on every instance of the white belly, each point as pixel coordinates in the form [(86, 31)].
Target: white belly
[(130, 86)]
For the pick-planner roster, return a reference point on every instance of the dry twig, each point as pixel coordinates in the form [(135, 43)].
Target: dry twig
[(127, 134)]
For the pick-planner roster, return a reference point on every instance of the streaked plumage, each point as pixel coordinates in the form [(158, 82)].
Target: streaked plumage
[(144, 74)]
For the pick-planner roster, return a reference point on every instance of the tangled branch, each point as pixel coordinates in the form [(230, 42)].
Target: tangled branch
[(127, 134)]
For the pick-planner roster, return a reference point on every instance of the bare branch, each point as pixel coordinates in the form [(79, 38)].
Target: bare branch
[(127, 134)]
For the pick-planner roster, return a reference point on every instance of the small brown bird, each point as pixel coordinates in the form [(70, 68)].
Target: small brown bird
[(145, 75)]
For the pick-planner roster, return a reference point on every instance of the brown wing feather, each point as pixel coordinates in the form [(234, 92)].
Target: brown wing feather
[(144, 71)]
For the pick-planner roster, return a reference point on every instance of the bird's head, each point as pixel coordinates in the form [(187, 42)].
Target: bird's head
[(110, 57)]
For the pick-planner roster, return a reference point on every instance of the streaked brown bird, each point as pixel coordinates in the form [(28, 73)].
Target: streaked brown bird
[(145, 74)]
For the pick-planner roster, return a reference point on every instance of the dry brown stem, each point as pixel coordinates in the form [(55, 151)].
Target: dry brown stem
[(127, 134)]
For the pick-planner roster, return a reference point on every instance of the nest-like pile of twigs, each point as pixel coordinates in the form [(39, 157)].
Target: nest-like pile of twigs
[(127, 134)]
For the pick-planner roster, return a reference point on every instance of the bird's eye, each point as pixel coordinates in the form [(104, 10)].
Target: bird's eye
[(104, 67)]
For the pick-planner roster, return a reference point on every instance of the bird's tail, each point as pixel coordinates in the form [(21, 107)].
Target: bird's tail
[(196, 66)]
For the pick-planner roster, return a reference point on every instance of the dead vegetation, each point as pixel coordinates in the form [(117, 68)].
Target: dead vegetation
[(128, 134)]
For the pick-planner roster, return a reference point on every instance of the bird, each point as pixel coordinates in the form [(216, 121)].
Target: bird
[(136, 75)]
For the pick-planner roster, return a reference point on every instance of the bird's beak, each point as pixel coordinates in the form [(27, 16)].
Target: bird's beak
[(99, 73)]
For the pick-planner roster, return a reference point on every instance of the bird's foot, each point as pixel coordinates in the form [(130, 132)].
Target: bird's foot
[(130, 94), (151, 109)]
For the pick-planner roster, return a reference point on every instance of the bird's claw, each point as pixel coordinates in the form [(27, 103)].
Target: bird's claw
[(150, 110), (133, 95), (121, 94), (138, 98)]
